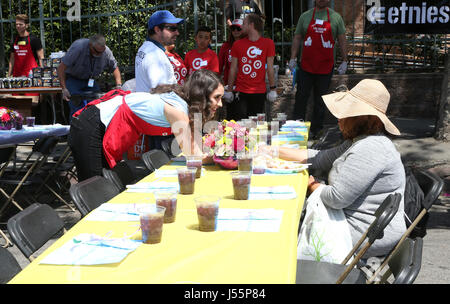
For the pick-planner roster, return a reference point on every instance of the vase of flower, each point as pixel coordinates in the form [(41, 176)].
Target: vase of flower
[(226, 141), (9, 118)]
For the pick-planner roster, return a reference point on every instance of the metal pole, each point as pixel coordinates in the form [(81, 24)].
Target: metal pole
[(41, 23), (195, 16)]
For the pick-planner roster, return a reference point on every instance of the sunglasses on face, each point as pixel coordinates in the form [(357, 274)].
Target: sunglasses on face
[(171, 28), (235, 28)]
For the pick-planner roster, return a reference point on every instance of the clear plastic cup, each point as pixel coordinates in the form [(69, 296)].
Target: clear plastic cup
[(30, 121), (241, 184), (195, 161), (168, 200), (245, 161), (261, 116), (207, 212), (151, 218), (186, 179)]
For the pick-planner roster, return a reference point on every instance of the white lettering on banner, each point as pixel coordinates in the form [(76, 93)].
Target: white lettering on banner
[(404, 14), (74, 12)]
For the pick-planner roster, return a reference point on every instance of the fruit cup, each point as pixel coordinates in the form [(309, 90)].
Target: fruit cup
[(186, 179), (207, 212), (195, 161), (151, 218), (168, 200), (241, 184)]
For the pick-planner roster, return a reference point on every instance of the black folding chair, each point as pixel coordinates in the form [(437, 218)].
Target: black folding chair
[(432, 186), (126, 173), (171, 147), (9, 266), (155, 159), (405, 264), (34, 226), (15, 180), (313, 272), (91, 193)]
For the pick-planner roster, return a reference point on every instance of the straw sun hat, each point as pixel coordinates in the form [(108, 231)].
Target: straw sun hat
[(368, 97)]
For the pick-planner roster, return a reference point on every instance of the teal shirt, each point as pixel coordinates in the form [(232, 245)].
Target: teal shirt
[(337, 23)]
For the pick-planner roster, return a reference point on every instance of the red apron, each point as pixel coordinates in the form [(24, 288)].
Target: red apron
[(24, 61), (317, 54), (124, 130)]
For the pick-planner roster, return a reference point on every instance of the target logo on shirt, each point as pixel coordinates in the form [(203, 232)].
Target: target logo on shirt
[(252, 58)]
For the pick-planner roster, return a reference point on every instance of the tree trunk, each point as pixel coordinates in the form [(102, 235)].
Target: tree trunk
[(443, 123)]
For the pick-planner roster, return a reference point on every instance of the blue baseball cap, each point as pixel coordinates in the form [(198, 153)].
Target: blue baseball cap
[(160, 17)]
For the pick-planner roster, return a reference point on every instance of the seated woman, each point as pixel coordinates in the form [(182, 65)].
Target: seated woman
[(103, 132), (365, 168)]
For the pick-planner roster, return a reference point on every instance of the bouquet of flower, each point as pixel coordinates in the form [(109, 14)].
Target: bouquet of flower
[(225, 142), (9, 118)]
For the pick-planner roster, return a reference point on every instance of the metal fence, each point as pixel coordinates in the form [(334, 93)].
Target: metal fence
[(123, 22)]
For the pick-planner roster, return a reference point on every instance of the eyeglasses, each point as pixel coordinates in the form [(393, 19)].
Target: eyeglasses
[(235, 28), (171, 28)]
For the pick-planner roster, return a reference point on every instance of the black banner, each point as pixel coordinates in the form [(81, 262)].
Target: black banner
[(407, 16)]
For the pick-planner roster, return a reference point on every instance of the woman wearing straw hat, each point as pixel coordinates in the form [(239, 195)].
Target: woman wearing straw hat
[(365, 168)]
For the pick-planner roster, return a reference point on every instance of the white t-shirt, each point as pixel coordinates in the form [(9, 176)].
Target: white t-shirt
[(152, 67)]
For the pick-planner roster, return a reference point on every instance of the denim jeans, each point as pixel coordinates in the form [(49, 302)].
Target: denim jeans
[(79, 87)]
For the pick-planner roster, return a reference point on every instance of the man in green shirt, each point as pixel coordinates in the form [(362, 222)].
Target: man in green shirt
[(317, 31)]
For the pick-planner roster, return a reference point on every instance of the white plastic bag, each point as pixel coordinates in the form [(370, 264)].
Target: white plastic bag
[(325, 234)]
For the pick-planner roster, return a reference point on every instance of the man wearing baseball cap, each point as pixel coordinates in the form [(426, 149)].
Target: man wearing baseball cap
[(152, 67)]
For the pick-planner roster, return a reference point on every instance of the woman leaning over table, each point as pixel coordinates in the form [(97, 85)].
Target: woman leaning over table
[(103, 132), (365, 168)]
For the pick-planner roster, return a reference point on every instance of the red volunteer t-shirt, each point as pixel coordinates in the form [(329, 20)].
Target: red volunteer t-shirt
[(197, 61), (179, 68), (252, 57), (225, 60)]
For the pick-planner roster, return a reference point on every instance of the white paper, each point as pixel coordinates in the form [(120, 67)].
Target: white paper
[(272, 193), (250, 220), (153, 186), (89, 249), (108, 212)]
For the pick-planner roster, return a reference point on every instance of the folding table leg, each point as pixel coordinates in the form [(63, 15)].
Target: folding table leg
[(8, 242)]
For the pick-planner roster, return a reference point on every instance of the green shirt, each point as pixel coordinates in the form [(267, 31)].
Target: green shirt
[(337, 23)]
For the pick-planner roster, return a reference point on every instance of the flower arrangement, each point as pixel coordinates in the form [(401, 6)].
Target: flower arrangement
[(9, 118), (225, 142)]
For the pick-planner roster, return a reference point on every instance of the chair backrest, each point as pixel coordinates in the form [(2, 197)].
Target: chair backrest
[(91, 193), (139, 168), (9, 266), (155, 159), (171, 147), (32, 227), (46, 145), (431, 185), (406, 262), (383, 216), (330, 138), (114, 178)]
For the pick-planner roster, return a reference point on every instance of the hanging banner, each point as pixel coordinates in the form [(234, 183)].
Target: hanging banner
[(407, 16)]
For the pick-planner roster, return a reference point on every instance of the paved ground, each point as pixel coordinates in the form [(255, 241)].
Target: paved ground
[(418, 149)]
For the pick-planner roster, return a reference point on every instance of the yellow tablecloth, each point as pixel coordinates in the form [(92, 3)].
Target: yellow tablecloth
[(186, 255)]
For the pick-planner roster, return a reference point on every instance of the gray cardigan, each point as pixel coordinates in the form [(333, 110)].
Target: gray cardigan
[(361, 175)]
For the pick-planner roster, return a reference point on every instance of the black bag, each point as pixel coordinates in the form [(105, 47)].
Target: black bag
[(413, 199)]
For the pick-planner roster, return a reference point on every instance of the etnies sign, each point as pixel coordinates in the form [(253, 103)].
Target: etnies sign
[(407, 16)]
